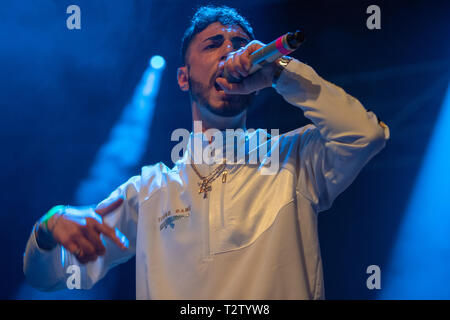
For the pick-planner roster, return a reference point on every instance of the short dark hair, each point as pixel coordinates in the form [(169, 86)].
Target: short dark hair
[(206, 15)]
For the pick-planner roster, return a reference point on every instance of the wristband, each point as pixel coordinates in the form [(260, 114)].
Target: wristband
[(49, 214), (44, 236), (281, 64)]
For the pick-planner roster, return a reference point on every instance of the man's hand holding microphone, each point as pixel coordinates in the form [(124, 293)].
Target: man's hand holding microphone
[(239, 70)]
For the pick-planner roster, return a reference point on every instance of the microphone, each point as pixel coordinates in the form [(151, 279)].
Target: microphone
[(282, 46)]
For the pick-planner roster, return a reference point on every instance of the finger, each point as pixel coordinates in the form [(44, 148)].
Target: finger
[(112, 234), (72, 247), (107, 207), (229, 66), (234, 88), (254, 46), (82, 258), (245, 61), (93, 236), (88, 250), (238, 66)]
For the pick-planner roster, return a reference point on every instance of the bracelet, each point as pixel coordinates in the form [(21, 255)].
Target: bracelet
[(44, 236), (281, 64), (51, 213)]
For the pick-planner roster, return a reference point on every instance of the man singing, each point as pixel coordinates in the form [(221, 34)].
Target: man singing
[(223, 230)]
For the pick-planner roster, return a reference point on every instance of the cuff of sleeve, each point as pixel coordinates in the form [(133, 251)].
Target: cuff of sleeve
[(374, 119), (43, 239), (39, 244), (298, 82), (43, 269)]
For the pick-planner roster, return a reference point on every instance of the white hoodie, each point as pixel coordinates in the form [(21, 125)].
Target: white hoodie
[(255, 235)]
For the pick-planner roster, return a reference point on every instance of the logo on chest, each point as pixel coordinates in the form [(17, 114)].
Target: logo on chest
[(169, 217)]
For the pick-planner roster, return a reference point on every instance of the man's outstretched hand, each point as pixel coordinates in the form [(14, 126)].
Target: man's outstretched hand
[(79, 230)]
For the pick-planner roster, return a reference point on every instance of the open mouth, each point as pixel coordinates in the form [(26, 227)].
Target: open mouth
[(216, 85)]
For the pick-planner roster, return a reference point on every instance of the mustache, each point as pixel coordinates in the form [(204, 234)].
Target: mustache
[(218, 73)]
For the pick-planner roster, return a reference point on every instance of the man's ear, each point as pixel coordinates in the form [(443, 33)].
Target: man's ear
[(183, 78)]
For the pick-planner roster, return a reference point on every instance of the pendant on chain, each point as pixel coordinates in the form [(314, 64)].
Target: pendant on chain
[(204, 187)]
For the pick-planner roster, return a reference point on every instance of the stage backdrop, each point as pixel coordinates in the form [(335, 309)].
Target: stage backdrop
[(64, 96)]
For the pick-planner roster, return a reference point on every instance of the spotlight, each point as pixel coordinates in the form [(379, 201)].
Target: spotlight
[(157, 62)]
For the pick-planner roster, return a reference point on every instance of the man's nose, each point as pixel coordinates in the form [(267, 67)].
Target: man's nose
[(228, 48)]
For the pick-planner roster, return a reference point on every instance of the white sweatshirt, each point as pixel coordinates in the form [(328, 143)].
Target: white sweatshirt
[(254, 236)]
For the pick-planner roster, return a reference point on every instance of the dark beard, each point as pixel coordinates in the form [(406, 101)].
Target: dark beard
[(236, 103)]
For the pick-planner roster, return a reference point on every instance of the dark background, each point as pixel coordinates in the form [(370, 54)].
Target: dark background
[(62, 90)]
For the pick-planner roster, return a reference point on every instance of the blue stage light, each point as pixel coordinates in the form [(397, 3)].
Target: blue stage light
[(157, 62), (114, 163), (420, 260)]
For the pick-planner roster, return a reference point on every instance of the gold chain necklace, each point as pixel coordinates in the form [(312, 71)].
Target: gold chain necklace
[(205, 183)]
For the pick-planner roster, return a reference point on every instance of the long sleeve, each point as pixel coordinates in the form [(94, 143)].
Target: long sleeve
[(48, 269), (344, 136)]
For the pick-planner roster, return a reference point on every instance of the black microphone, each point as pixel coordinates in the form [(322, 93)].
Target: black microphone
[(282, 46)]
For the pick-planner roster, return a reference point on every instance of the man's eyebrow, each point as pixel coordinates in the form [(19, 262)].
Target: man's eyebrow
[(240, 38), (214, 38), (218, 37)]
